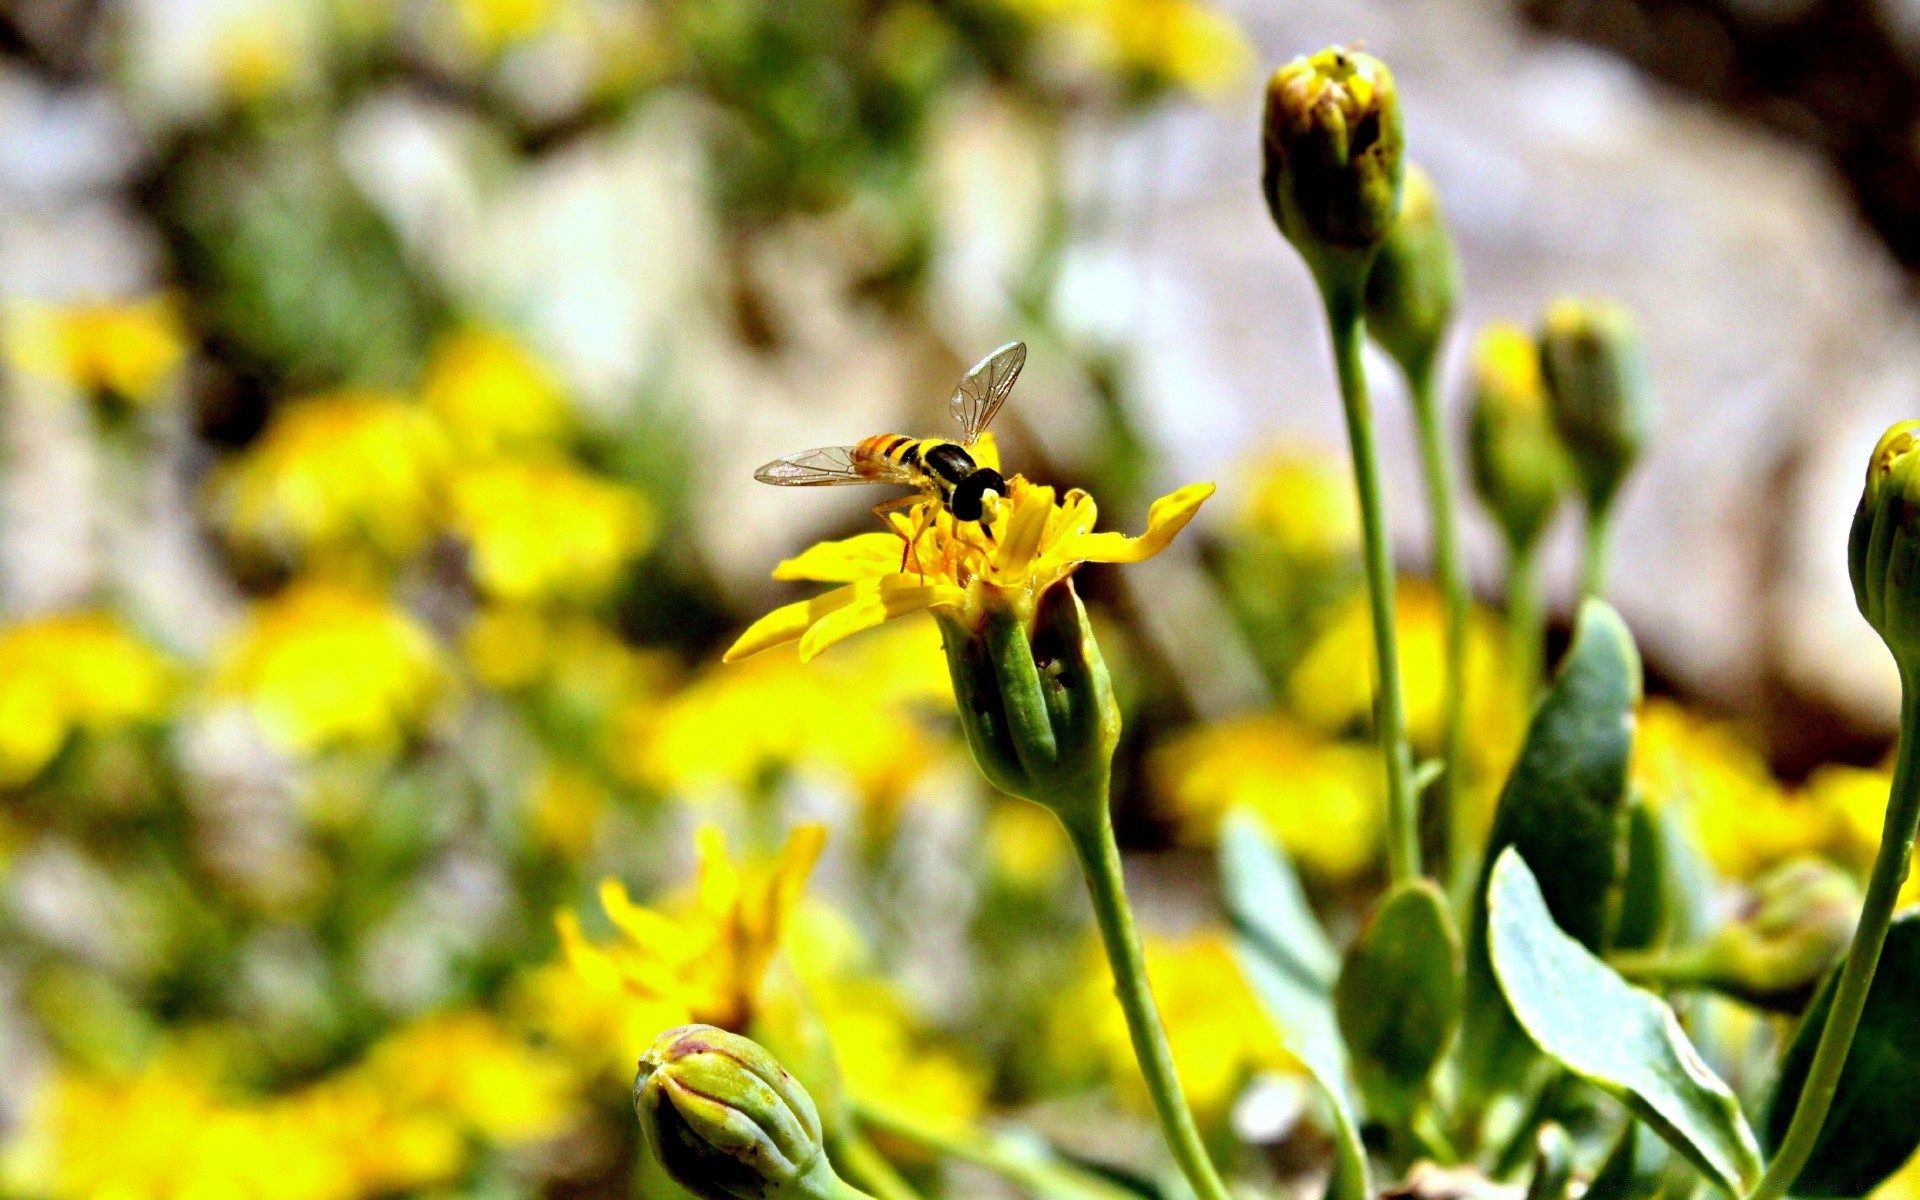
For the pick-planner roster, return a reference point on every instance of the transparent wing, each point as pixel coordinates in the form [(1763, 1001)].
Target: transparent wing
[(985, 389), (826, 467)]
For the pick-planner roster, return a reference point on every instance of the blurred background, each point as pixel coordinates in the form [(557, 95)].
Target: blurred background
[(382, 388)]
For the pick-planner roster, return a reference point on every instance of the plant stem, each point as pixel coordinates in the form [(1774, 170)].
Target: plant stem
[(1027, 1167), (1526, 619), (863, 1160), (1450, 573), (1090, 828), (1403, 835), (1863, 956), (1593, 557)]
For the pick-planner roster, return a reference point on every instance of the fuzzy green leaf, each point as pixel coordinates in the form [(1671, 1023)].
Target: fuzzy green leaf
[(1874, 1124), (1398, 998), (1610, 1033)]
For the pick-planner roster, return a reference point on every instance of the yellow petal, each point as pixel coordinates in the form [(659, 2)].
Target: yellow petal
[(986, 452), (1021, 540), (717, 880), (862, 556), (1168, 516), (896, 596), (785, 882), (784, 624), (588, 961), (645, 926)]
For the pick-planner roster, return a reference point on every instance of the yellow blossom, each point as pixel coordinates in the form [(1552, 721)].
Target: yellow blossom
[(1324, 801), (888, 1057), (1218, 1032), (1854, 800), (1744, 821), (1304, 502), (566, 805), (493, 396), (701, 961), (958, 568), (125, 349), (493, 25), (68, 673), (1184, 43), (256, 54), (1903, 1184), (465, 1064), (545, 531), (1026, 846), (325, 666), (338, 471)]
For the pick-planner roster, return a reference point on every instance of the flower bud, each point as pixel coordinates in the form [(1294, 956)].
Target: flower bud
[(1598, 390), (1036, 702), (1414, 285), (726, 1121), (1519, 467), (1883, 550), (1794, 931), (1331, 162)]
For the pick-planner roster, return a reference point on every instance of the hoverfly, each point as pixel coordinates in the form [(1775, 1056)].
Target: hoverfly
[(938, 468)]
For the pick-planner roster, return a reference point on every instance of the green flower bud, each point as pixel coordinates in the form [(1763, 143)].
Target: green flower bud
[(1598, 390), (1414, 285), (1883, 550), (1519, 467), (1331, 163), (1794, 931), (727, 1122), (1036, 702)]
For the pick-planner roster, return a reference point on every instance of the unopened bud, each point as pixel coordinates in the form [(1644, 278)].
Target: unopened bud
[(727, 1122), (1883, 550), (1599, 391), (1519, 467), (1331, 163), (1414, 285)]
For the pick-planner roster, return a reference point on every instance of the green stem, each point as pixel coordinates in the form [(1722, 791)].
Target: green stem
[(1450, 573), (1526, 619), (1403, 835), (1863, 956), (1090, 827), (1025, 1166), (862, 1159), (1593, 557)]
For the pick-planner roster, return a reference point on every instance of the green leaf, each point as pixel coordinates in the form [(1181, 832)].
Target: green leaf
[(1622, 1040), (1874, 1124), (1635, 1169), (1561, 810), (1398, 998), (1642, 918), (1264, 901)]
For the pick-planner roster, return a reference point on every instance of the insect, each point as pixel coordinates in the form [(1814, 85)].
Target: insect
[(936, 467)]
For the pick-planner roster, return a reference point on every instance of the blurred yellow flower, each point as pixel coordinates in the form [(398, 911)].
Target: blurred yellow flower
[(464, 1063), (125, 349), (960, 568), (256, 54), (1332, 687), (888, 1058), (565, 806), (1025, 846), (68, 673), (324, 666), (701, 960), (493, 396), (1183, 43), (493, 25), (850, 718), (1324, 801), (545, 531), (337, 472), (1303, 501), (1855, 802), (1903, 1184), (1218, 1032), (1743, 820)]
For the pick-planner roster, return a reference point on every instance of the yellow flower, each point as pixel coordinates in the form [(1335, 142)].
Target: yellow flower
[(545, 531), (1854, 800), (1026, 846), (493, 396), (1304, 502), (338, 471), (69, 673), (1183, 43), (958, 568), (491, 26), (124, 349), (848, 718), (887, 1056), (1743, 820), (1324, 801), (566, 805), (326, 666), (1218, 1032), (256, 54), (700, 962), (463, 1063), (1903, 1184)]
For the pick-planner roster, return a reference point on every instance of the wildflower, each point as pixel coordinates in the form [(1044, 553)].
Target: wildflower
[(1304, 503), (1742, 819), (1519, 466), (544, 531), (491, 26), (1181, 43), (493, 396), (1219, 1034), (1025, 846), (325, 666), (256, 55), (76, 672), (704, 961), (1881, 543), (335, 473), (1324, 801), (125, 350), (1854, 801), (1414, 285), (465, 1064)]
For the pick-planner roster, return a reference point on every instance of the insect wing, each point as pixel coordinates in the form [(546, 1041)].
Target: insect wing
[(985, 389), (825, 467)]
